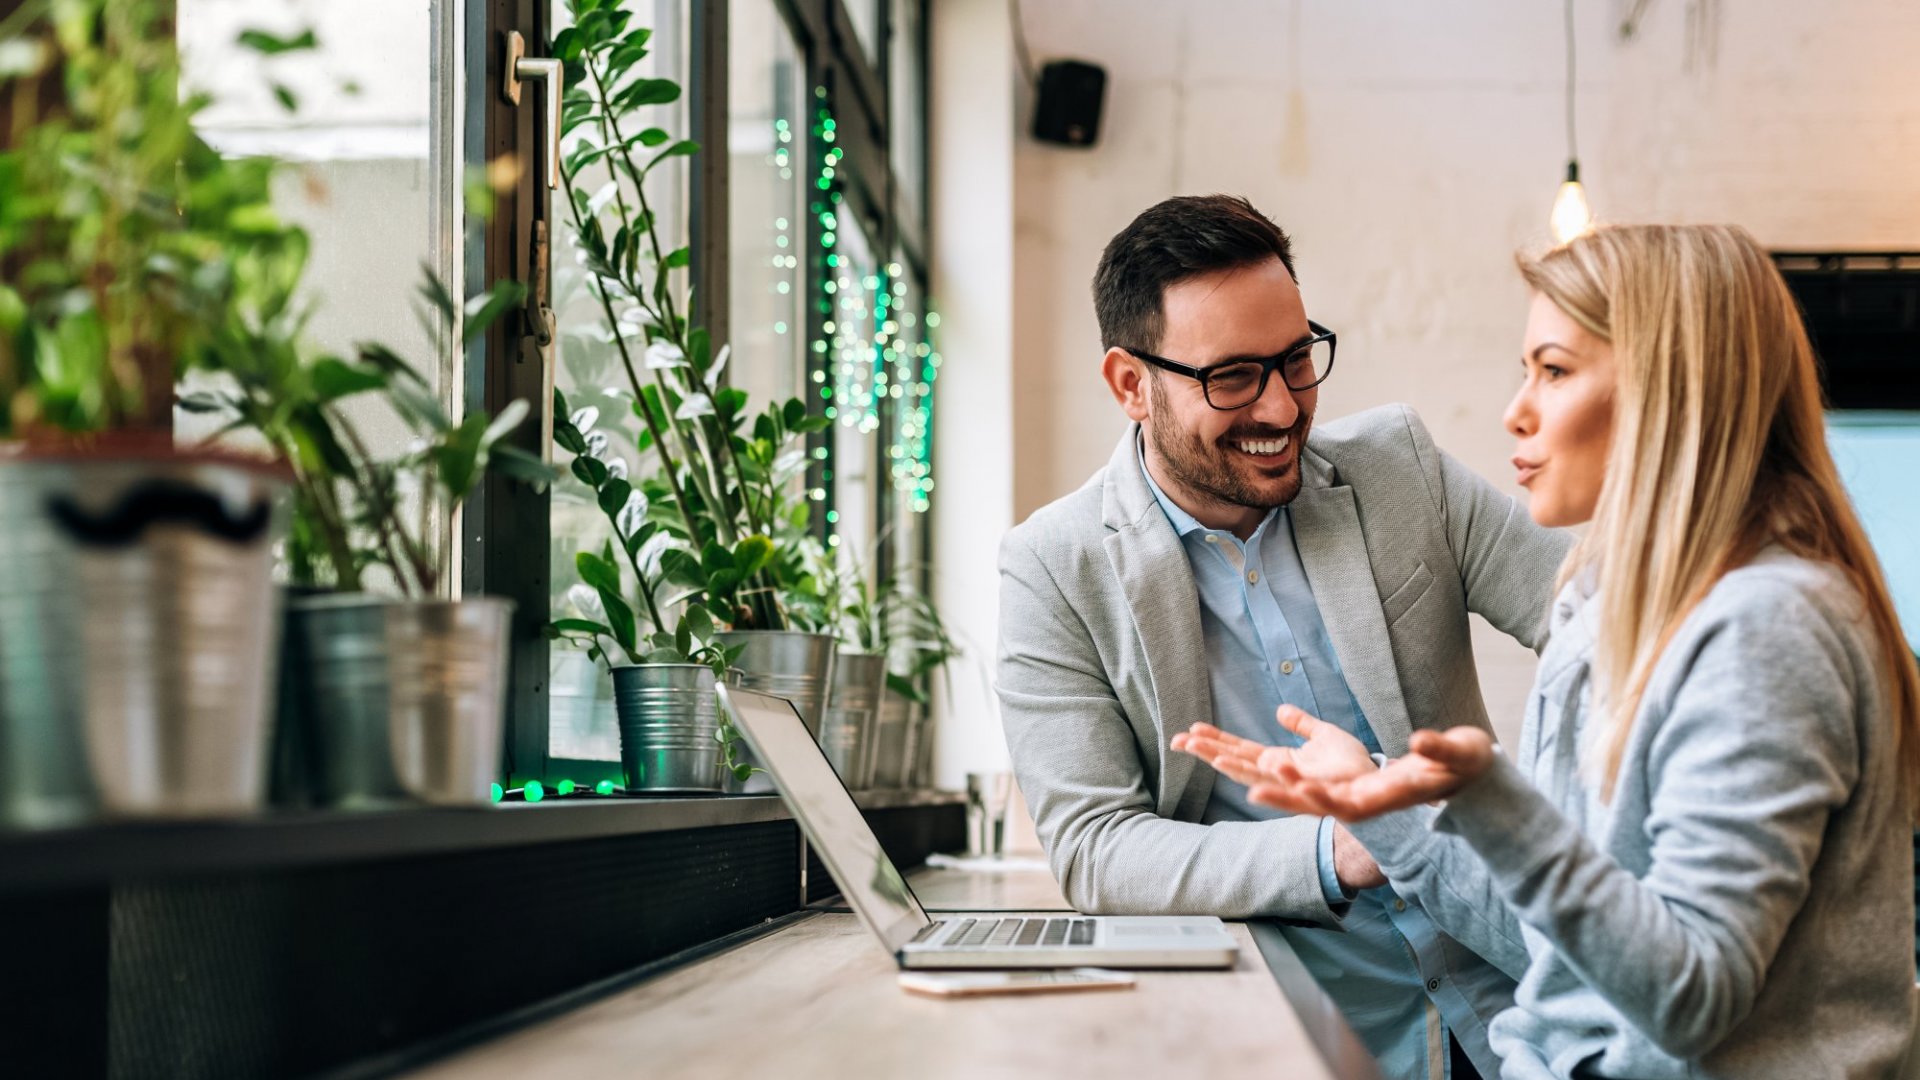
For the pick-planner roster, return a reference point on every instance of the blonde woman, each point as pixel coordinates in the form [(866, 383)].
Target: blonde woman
[(1697, 862)]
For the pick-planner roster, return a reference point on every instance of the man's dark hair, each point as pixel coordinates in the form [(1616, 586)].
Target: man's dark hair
[(1182, 237)]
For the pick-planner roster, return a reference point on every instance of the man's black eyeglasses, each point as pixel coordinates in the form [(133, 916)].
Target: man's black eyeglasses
[(1239, 383)]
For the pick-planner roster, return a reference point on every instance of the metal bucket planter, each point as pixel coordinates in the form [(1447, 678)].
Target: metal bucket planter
[(669, 727), (138, 629), (853, 713), (892, 767), (402, 700), (785, 663), (919, 749)]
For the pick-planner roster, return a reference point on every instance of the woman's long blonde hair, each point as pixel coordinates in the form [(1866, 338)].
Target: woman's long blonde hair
[(1719, 449)]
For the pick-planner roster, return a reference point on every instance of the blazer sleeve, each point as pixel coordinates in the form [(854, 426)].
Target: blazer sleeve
[(1507, 563), (1080, 768)]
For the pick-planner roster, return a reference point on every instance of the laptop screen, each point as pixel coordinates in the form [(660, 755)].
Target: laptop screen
[(839, 835)]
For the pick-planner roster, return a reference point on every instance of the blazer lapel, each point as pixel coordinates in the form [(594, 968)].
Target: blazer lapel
[(1326, 528), (1157, 581)]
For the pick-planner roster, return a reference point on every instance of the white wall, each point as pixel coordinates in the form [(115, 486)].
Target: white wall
[(1410, 148), (972, 153)]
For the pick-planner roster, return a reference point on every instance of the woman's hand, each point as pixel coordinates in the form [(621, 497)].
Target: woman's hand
[(1331, 773)]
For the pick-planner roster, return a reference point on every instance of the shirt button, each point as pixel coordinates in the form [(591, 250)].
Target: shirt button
[(1212, 539), (1253, 575), (1399, 905), (1433, 984), (1286, 667)]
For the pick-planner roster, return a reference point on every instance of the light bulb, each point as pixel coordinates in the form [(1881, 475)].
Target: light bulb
[(1571, 216)]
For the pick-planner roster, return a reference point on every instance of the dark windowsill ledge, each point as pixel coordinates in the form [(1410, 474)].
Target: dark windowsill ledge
[(97, 855)]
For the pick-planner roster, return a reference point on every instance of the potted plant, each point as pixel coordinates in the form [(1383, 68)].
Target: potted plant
[(136, 658), (715, 488), (658, 639), (919, 648), (399, 692)]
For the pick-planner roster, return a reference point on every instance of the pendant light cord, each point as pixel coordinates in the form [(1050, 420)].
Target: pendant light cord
[(1573, 142)]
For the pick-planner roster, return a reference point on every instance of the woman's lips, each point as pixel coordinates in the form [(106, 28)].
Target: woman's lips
[(1527, 470)]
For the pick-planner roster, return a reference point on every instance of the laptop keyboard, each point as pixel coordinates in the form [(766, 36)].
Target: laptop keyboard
[(1017, 933)]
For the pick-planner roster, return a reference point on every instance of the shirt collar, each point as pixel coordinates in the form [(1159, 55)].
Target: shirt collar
[(1184, 524)]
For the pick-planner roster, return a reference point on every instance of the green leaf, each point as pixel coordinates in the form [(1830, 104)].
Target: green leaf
[(285, 96), (267, 43), (203, 402), (591, 471), (653, 136), (724, 582), (793, 412), (681, 568), (700, 622), (484, 308), (568, 437), (568, 45), (614, 495), (619, 620), (683, 148), (683, 638), (578, 626), (752, 554), (643, 92), (517, 464), (714, 558), (597, 572), (458, 458), (333, 380)]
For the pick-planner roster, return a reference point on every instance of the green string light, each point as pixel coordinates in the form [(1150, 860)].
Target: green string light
[(564, 787), (534, 791), (874, 345), (497, 792), (604, 787)]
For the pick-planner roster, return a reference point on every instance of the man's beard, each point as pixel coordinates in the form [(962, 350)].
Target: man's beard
[(1206, 470)]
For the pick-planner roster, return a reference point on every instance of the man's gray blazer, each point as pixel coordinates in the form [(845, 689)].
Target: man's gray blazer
[(1101, 664)]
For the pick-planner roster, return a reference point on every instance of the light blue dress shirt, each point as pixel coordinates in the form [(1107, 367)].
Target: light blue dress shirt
[(1391, 972)]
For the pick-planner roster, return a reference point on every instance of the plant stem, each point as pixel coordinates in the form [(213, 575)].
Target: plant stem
[(633, 379)]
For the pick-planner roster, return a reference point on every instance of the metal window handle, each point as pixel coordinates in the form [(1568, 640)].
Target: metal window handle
[(520, 68)]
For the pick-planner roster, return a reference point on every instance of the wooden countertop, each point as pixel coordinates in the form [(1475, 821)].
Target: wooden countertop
[(818, 1001)]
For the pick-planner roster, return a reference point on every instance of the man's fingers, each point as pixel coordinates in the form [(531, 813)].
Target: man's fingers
[(1298, 721)]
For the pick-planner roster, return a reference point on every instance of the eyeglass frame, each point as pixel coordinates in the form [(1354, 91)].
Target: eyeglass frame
[(1267, 364)]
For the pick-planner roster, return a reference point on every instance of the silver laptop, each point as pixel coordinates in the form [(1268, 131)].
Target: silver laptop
[(880, 896)]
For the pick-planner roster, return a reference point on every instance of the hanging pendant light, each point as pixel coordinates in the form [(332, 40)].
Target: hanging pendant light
[(1571, 215)]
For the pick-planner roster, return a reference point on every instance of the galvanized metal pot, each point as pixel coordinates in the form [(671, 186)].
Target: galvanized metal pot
[(669, 727), (853, 713), (138, 629), (786, 663), (893, 765), (405, 700), (919, 749)]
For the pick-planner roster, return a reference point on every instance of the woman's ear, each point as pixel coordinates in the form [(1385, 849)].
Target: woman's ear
[(1127, 377)]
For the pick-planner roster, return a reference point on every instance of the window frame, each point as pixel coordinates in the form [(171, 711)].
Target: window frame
[(507, 533)]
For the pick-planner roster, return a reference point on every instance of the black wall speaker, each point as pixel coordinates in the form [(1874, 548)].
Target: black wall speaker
[(1068, 103)]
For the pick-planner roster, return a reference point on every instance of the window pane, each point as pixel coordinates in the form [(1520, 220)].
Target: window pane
[(1875, 453), (767, 151), (909, 135), (865, 16), (858, 309), (590, 372), (909, 359), (370, 176)]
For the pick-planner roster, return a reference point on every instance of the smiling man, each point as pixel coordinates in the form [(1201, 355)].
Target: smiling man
[(1231, 558)]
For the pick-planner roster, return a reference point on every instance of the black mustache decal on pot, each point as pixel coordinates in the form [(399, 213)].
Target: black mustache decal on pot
[(158, 502)]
